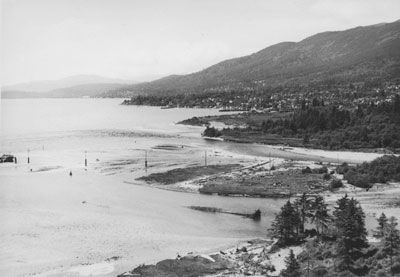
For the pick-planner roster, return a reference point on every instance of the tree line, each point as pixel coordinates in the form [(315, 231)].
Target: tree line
[(331, 127), (381, 170), (367, 126)]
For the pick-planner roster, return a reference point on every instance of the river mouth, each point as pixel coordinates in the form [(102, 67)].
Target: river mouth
[(62, 218)]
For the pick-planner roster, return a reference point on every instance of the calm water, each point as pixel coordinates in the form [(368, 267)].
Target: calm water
[(56, 225)]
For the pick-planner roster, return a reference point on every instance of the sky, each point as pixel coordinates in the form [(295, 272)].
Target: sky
[(141, 40)]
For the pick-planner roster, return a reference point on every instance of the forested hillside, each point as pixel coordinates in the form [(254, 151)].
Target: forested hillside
[(355, 55)]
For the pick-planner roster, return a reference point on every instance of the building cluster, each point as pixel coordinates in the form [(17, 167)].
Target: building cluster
[(278, 99)]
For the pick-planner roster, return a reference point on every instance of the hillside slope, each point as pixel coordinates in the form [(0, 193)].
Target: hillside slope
[(343, 56)]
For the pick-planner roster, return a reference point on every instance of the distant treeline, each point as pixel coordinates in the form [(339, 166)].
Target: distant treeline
[(330, 127)]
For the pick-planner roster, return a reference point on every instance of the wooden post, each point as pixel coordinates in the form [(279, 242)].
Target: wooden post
[(85, 160), (145, 159), (270, 165), (28, 157)]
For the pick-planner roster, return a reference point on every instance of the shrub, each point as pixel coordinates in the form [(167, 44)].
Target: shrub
[(342, 169), (306, 170), (335, 184), (326, 176), (211, 132)]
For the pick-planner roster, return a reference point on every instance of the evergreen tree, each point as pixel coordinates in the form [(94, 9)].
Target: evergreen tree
[(292, 266), (285, 225), (391, 242), (303, 205), (351, 232), (321, 216), (339, 211), (276, 230), (382, 222)]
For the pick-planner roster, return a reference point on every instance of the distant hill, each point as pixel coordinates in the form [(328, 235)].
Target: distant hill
[(74, 86), (354, 55), (87, 90), (42, 86)]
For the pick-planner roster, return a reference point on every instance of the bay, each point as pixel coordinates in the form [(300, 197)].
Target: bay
[(53, 224)]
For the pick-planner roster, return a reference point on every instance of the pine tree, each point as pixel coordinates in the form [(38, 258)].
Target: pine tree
[(391, 242), (292, 266), (351, 232), (382, 222), (303, 205), (339, 211), (276, 230), (285, 225), (321, 216)]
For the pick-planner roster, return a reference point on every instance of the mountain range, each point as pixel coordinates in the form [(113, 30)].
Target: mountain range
[(73, 86), (354, 55)]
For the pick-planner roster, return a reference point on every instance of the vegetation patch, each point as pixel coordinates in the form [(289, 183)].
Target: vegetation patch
[(188, 173), (264, 183), (380, 170), (366, 126)]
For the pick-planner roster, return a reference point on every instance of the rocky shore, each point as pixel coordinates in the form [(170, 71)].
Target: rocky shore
[(256, 257)]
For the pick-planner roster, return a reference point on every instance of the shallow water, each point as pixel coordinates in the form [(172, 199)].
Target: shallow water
[(56, 225)]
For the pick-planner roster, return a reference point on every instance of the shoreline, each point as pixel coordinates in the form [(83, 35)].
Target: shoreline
[(371, 204), (272, 140), (259, 249), (117, 165)]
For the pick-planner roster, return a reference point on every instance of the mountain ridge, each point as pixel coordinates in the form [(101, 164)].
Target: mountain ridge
[(78, 91), (70, 81), (353, 55)]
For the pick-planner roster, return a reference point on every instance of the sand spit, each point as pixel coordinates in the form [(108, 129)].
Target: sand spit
[(339, 156)]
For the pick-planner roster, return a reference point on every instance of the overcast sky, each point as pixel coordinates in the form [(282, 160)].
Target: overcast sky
[(145, 39)]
